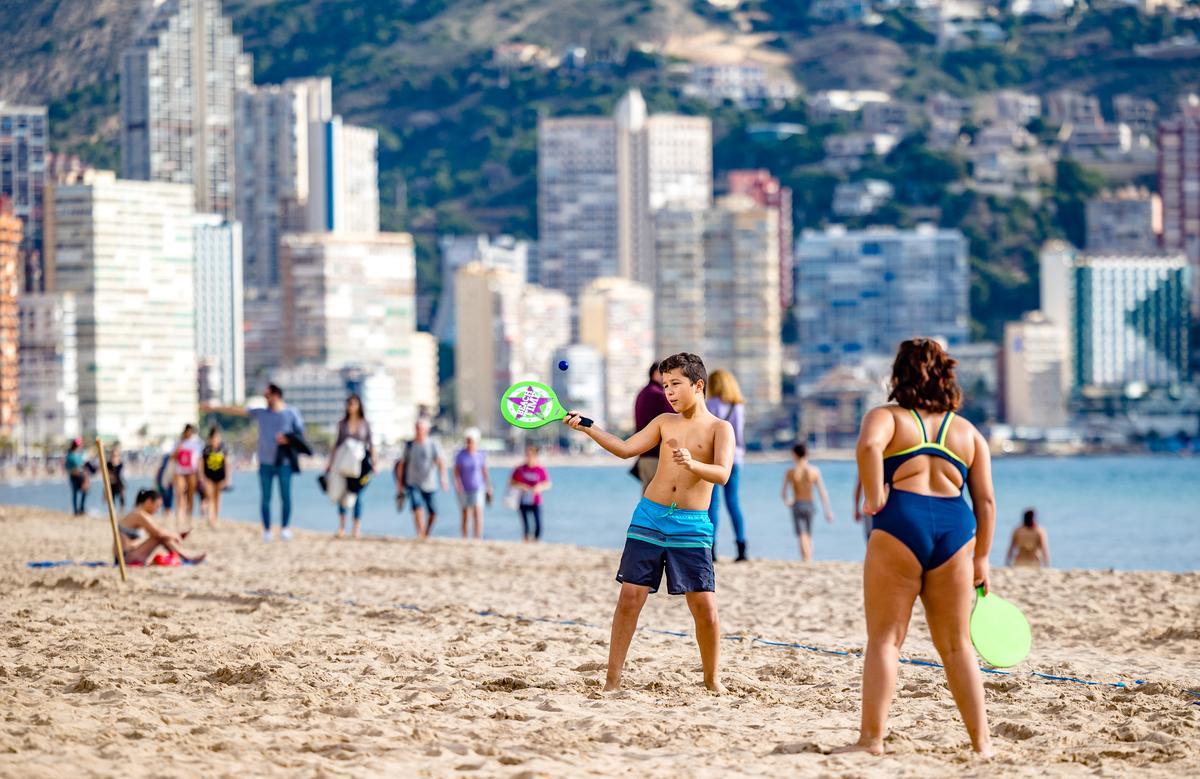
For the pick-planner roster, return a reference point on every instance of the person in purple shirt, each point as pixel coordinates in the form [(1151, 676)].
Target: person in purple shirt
[(651, 402), (725, 401), (472, 483)]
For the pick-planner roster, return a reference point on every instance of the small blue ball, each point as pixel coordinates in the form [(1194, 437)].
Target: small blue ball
[(562, 365)]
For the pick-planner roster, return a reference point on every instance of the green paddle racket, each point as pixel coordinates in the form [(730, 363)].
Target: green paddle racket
[(531, 404), (999, 631)]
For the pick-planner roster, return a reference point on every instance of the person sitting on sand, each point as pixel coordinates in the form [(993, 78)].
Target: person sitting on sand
[(671, 529), (141, 537), (926, 539), (802, 480), (1029, 546)]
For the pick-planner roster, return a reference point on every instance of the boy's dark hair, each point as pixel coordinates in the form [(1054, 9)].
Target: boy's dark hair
[(800, 450), (1029, 519), (688, 364), (212, 431), (145, 495), (188, 428), (275, 390), (653, 370)]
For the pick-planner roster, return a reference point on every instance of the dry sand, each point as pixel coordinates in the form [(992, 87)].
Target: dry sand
[(301, 658)]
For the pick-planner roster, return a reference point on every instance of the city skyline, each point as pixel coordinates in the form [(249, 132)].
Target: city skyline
[(627, 195)]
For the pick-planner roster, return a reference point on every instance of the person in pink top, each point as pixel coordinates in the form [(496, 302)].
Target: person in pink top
[(530, 480)]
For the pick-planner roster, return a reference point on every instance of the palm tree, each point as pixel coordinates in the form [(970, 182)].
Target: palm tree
[(27, 410)]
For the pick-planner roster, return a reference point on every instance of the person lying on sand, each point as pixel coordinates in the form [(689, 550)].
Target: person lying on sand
[(141, 537), (670, 528)]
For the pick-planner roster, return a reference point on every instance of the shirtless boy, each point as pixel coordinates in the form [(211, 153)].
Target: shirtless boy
[(670, 529), (802, 479)]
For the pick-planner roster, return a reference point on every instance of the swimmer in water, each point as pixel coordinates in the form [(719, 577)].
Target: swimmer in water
[(1030, 547)]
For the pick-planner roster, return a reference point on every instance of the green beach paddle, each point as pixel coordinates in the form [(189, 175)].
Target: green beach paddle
[(999, 631), (531, 404)]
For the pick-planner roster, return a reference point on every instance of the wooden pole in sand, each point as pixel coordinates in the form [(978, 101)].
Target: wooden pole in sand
[(119, 550)]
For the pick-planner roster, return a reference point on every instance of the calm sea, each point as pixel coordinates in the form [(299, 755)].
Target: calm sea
[(1100, 512)]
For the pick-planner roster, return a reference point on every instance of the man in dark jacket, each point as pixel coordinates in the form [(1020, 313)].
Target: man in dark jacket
[(651, 402), (280, 442)]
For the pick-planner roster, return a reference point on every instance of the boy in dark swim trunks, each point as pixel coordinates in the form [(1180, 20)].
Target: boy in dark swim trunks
[(670, 531), (802, 480)]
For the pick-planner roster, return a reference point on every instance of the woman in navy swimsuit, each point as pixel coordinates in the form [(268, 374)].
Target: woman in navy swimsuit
[(926, 539)]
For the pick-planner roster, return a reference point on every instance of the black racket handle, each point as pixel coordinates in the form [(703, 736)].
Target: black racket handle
[(585, 422)]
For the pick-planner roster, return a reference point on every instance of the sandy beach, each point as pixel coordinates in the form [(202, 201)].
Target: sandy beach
[(390, 658)]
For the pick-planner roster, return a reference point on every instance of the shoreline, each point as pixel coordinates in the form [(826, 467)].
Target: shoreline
[(605, 460), (102, 516)]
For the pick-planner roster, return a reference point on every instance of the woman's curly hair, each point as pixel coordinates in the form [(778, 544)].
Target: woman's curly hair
[(923, 377)]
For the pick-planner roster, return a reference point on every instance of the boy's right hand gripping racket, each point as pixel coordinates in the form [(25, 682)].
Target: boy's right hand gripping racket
[(531, 404)]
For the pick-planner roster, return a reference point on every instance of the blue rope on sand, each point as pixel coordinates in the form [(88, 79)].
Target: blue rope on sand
[(660, 631), (824, 651), (93, 564)]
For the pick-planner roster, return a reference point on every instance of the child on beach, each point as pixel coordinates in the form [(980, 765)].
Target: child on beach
[(670, 530), (802, 479)]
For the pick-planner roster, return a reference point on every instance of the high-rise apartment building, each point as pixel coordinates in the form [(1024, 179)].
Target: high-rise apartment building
[(487, 357), (49, 369), (1034, 386), (343, 167), (600, 180), (458, 251), (616, 318), (24, 135), (1131, 320), (12, 235), (507, 330), (663, 161), (577, 201), (125, 249), (1179, 186), (262, 316), (220, 327), (179, 84), (273, 175), (1124, 220), (350, 301), (545, 327), (742, 312), (765, 190), (680, 308), (862, 292), (581, 386)]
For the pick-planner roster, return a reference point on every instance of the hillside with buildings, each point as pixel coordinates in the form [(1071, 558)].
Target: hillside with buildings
[(804, 164)]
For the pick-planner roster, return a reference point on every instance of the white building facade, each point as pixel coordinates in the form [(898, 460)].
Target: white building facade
[(616, 318), (220, 326), (125, 249), (742, 311), (350, 301), (1131, 320), (344, 178), (1034, 372)]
